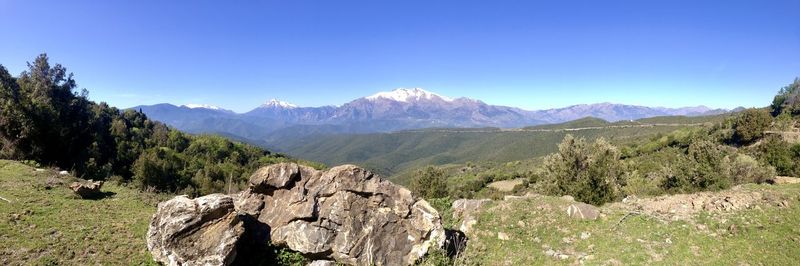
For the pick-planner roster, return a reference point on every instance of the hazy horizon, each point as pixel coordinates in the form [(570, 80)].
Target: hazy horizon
[(721, 54), (195, 105)]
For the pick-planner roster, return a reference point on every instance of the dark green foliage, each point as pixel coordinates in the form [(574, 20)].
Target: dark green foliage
[(787, 99), (468, 188), (589, 172), (781, 155), (750, 125), (709, 171), (429, 183), (43, 119)]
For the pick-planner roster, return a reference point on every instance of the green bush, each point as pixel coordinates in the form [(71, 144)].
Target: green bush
[(429, 183), (750, 125), (746, 169), (781, 155), (589, 172)]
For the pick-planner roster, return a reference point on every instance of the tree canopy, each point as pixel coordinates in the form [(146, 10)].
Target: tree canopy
[(44, 118)]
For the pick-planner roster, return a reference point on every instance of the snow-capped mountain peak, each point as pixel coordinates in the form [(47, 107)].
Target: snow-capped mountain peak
[(407, 95), (278, 103), (203, 106)]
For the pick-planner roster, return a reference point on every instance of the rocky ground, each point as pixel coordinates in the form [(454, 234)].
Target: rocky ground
[(746, 225)]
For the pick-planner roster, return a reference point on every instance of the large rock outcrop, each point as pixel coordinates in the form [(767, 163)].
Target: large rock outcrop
[(201, 231), (345, 214)]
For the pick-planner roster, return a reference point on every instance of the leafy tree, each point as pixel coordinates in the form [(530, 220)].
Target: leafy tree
[(429, 183), (589, 172), (787, 99), (750, 125)]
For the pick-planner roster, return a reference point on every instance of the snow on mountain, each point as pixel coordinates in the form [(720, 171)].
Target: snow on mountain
[(204, 106), (407, 95), (278, 103)]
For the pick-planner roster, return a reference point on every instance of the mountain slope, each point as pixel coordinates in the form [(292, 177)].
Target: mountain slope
[(398, 152), (277, 121)]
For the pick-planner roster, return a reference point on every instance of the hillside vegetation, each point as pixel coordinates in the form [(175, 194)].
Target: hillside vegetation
[(395, 153), (723, 151), (43, 118)]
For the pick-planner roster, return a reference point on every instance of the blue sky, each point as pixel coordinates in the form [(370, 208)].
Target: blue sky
[(530, 54)]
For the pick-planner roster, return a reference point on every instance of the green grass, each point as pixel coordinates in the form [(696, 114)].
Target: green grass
[(56, 227), (767, 236)]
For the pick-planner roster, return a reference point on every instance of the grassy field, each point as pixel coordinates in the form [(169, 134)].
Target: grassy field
[(539, 232), (49, 226)]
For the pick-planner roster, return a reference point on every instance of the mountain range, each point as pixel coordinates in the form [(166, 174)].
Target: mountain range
[(400, 109)]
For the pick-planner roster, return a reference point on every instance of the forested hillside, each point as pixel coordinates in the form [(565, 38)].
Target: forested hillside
[(44, 119), (397, 152)]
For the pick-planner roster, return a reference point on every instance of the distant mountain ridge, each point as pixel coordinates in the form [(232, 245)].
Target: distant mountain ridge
[(399, 109)]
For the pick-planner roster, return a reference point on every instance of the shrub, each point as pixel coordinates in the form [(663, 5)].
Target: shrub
[(709, 162), (745, 169), (429, 183), (780, 154), (750, 125), (590, 173)]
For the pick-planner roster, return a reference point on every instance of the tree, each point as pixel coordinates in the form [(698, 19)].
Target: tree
[(589, 172), (429, 183), (787, 99), (750, 125), (43, 118)]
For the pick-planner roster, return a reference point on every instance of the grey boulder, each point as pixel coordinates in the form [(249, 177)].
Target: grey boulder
[(582, 211), (201, 231), (346, 214)]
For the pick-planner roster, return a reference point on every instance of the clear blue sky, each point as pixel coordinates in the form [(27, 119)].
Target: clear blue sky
[(530, 54)]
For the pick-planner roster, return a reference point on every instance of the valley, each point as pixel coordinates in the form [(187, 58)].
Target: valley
[(398, 154)]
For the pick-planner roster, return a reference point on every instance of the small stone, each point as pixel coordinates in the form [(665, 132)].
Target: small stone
[(550, 252), (582, 211), (502, 236), (585, 235), (537, 240), (563, 256), (669, 241), (322, 263), (88, 189), (521, 224)]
